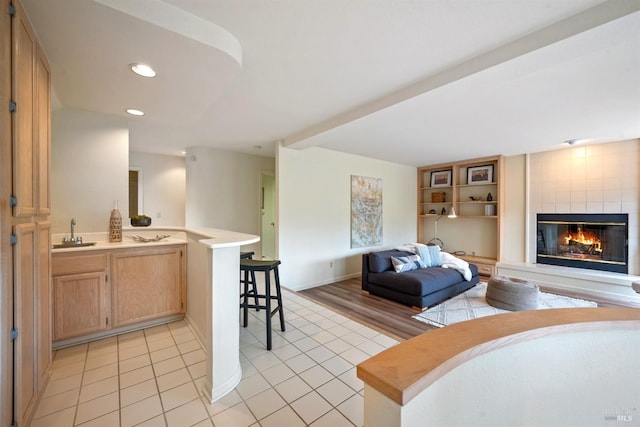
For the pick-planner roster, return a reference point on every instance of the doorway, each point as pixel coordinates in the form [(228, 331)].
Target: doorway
[(135, 192), (267, 215)]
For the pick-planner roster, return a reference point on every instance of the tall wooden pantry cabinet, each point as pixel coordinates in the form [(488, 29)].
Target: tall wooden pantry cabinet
[(25, 243)]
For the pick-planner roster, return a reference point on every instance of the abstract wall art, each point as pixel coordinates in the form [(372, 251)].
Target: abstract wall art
[(366, 211)]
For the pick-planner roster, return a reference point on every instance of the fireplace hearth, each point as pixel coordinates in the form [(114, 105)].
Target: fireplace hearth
[(592, 241)]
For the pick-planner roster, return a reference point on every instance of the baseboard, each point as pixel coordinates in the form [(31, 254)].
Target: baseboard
[(197, 332), (323, 282), (56, 345)]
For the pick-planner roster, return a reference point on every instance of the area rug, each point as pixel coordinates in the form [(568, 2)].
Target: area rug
[(472, 305)]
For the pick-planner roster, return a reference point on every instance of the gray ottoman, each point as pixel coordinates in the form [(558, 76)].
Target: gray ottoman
[(512, 294)]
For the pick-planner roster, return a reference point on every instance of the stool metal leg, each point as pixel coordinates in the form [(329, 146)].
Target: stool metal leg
[(245, 308), (279, 296), (267, 285), (254, 286)]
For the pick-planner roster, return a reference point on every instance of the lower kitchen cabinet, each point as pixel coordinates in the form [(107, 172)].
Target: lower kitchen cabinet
[(79, 304), (102, 292), (81, 301), (147, 284)]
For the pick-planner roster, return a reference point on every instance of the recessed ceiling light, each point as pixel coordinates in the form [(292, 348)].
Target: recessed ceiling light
[(135, 112), (142, 70)]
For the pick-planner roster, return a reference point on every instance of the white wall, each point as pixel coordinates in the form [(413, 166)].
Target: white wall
[(89, 169), (223, 190), (164, 186), (602, 178), (514, 213), (314, 199)]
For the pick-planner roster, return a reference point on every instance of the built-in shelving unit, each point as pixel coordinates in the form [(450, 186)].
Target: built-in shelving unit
[(472, 188)]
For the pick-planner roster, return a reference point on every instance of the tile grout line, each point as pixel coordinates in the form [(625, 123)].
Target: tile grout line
[(305, 336)]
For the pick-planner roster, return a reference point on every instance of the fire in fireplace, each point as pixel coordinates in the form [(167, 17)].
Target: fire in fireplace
[(593, 241)]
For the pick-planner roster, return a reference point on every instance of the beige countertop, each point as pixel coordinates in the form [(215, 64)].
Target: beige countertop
[(212, 237)]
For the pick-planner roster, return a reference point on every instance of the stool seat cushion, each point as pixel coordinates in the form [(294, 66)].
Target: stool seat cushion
[(512, 294), (258, 265)]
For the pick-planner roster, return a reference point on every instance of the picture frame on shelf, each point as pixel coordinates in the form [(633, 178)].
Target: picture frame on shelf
[(479, 175), (441, 178)]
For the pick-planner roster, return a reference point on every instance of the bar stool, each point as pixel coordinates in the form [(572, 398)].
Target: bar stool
[(250, 266), (245, 281)]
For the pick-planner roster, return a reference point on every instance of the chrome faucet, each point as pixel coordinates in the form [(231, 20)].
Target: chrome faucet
[(73, 239), (73, 224)]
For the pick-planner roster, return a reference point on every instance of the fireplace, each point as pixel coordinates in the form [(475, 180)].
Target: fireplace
[(593, 241)]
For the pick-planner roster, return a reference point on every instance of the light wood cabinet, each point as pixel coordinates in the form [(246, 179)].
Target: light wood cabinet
[(43, 301), (99, 293), (28, 164), (79, 304), (473, 189), (31, 121), (486, 266), (32, 312), (25, 269), (80, 297), (42, 134), (24, 48), (147, 284)]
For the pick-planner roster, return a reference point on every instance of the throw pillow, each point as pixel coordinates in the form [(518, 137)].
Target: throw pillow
[(381, 261), (425, 255), (434, 252), (406, 263)]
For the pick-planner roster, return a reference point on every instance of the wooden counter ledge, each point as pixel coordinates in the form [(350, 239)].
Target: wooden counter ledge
[(404, 371)]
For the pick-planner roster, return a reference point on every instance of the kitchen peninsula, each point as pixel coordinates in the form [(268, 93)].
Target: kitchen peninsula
[(211, 265)]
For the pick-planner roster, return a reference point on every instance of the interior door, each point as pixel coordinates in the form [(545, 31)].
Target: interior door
[(267, 211)]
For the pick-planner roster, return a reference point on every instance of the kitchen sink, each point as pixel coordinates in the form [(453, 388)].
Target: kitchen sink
[(68, 245)]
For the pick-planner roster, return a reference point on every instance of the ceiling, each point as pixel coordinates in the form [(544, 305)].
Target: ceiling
[(410, 81)]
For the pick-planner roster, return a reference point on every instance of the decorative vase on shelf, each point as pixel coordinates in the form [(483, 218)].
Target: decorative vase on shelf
[(489, 197), (115, 225)]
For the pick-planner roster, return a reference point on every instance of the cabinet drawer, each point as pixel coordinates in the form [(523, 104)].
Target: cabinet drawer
[(485, 269), (72, 263)]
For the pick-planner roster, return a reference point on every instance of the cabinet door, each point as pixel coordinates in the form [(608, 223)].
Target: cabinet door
[(23, 56), (79, 304), (43, 134), (146, 284), (25, 318), (43, 301)]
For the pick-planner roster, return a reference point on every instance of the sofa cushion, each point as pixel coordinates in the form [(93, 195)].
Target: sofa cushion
[(419, 282), (403, 264), (512, 294), (381, 261)]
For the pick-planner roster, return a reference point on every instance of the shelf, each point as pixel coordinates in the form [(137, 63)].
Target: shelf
[(459, 216), (473, 231), (476, 185), (479, 202), (437, 188)]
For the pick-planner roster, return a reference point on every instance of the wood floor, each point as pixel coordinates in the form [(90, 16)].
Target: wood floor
[(347, 298), (381, 314)]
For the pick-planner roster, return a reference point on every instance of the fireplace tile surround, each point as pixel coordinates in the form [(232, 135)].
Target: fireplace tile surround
[(601, 178), (592, 179)]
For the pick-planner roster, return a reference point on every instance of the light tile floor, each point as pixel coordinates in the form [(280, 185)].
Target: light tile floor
[(154, 377)]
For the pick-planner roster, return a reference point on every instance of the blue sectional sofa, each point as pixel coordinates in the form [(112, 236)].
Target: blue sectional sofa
[(420, 288)]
